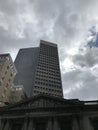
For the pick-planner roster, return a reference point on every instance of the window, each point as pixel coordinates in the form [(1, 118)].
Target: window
[(0, 83), (5, 72), (3, 95), (3, 78), (7, 85), (9, 80), (8, 67), (11, 74)]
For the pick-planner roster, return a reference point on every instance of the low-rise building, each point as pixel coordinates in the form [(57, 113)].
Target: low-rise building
[(17, 94), (43, 112)]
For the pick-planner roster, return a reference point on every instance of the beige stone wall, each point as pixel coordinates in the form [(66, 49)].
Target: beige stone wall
[(6, 80), (17, 94)]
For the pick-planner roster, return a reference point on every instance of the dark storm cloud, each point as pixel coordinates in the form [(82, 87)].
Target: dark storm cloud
[(8, 7), (57, 21), (88, 59)]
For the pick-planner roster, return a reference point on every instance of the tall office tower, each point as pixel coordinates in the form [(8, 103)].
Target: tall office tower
[(7, 74), (39, 70)]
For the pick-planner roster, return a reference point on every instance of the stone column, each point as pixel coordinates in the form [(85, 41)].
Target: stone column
[(0, 125), (75, 124), (25, 124), (7, 125), (85, 124), (31, 125), (55, 124), (49, 124)]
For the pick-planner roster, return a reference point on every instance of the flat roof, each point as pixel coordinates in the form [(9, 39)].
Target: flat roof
[(48, 43), (5, 54)]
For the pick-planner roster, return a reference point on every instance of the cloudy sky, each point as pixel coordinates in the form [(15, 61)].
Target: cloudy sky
[(72, 24)]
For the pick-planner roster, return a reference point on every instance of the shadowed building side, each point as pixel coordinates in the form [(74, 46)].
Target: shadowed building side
[(25, 63)]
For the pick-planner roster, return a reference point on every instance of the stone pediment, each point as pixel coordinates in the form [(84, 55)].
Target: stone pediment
[(43, 101)]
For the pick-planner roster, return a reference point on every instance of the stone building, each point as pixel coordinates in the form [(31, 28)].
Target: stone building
[(7, 74), (43, 112)]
